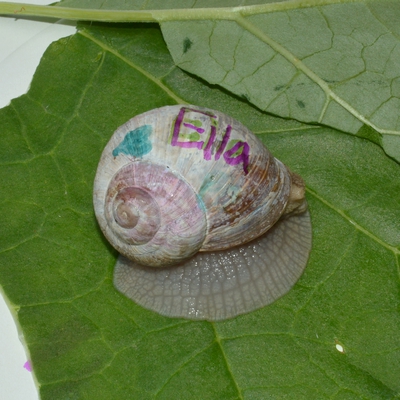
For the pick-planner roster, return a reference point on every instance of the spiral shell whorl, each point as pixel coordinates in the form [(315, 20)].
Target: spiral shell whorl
[(152, 215), (133, 213)]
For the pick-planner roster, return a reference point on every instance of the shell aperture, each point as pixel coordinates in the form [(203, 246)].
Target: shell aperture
[(181, 180)]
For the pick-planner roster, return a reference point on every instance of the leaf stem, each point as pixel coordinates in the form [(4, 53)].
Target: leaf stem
[(24, 9), (83, 14), (161, 15)]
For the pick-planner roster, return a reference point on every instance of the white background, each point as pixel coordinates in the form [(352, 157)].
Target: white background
[(22, 43)]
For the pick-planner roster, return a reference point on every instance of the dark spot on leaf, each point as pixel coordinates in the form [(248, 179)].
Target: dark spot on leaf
[(301, 104), (278, 87), (187, 44)]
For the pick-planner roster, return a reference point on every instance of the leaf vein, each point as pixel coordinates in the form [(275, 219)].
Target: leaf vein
[(354, 223), (228, 367), (133, 65)]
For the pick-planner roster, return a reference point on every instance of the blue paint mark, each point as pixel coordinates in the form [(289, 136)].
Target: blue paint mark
[(136, 143)]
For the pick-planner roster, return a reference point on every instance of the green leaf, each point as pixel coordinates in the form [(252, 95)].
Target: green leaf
[(330, 62), (325, 62), (88, 341)]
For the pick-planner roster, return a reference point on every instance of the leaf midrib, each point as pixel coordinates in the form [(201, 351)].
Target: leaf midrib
[(157, 15)]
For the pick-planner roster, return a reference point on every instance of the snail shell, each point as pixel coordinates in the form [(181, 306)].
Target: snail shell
[(208, 223)]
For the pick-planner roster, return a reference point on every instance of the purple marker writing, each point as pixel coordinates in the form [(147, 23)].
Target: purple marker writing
[(185, 134), (243, 157)]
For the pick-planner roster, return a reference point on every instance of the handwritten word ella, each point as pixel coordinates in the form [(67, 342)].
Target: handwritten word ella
[(197, 129)]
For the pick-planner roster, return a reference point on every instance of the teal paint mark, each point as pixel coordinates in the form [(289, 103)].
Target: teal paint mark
[(136, 143), (207, 184)]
